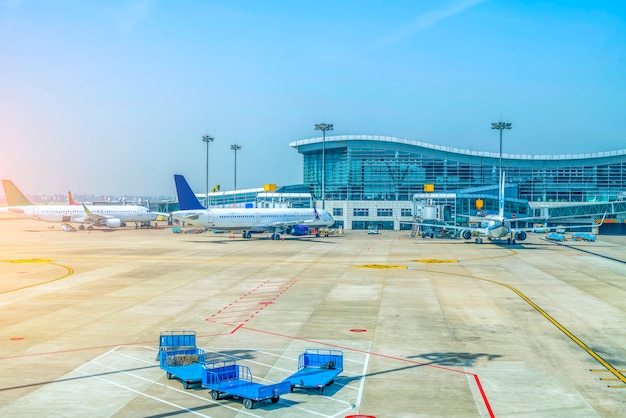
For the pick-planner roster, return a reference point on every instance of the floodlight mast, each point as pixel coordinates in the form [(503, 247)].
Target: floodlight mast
[(501, 126), (235, 148), (323, 127), (208, 139)]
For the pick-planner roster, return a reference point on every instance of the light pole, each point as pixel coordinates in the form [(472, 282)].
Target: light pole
[(208, 139), (235, 148), (323, 127), (500, 126)]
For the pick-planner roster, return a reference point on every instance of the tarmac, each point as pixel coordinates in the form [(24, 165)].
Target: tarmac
[(427, 327)]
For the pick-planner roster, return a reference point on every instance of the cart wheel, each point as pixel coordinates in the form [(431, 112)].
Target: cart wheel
[(169, 375), (321, 390), (248, 403), (215, 395), (185, 385), (292, 388), (275, 399), (330, 383)]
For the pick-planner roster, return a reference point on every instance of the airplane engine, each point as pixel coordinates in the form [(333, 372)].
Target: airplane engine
[(466, 234), (113, 223), (521, 236), (298, 230)]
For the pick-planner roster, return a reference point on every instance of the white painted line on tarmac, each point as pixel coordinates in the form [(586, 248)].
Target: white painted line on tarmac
[(154, 382), (360, 392), (100, 362)]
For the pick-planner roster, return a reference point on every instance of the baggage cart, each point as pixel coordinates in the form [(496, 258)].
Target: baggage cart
[(180, 357), (316, 369), (227, 378), (176, 340), (185, 365)]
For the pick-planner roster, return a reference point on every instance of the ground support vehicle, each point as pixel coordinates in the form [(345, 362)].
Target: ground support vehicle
[(555, 237), (227, 378), (583, 236), (316, 369), (176, 340), (180, 358)]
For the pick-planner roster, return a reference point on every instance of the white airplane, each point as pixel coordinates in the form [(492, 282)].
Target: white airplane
[(296, 222), (498, 227), (112, 216)]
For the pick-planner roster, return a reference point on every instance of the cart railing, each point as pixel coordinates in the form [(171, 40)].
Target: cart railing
[(323, 359), (177, 358), (171, 340), (220, 372)]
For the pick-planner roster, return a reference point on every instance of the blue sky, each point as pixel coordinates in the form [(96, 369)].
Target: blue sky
[(113, 97)]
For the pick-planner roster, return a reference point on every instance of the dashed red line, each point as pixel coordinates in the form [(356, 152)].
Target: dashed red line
[(246, 307)]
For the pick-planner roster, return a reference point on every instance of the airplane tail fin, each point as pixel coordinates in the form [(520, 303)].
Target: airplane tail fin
[(69, 193), (187, 200), (14, 196)]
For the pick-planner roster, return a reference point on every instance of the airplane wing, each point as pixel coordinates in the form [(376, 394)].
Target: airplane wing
[(94, 217), (479, 230), (190, 215), (284, 224), (554, 228)]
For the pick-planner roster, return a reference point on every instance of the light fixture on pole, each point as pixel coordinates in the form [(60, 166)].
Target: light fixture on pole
[(208, 139), (323, 127), (235, 148), (500, 126)]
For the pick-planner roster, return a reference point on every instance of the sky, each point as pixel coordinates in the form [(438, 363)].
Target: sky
[(113, 97)]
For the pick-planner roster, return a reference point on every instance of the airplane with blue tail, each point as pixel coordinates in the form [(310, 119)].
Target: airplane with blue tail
[(292, 221)]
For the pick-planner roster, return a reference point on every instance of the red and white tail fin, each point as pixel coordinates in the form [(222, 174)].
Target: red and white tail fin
[(71, 198)]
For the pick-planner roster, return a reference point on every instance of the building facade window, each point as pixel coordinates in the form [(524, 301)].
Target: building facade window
[(362, 167), (384, 212), (360, 212)]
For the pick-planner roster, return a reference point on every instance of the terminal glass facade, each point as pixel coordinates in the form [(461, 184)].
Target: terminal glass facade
[(373, 180), (359, 167)]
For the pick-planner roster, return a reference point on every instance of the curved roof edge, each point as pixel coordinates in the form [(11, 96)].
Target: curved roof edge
[(382, 138)]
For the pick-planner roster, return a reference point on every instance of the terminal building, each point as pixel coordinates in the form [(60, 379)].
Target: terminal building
[(389, 182)]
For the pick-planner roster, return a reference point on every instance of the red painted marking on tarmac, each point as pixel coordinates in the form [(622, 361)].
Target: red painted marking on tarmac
[(371, 353), (248, 303), (358, 330), (16, 338), (236, 329), (99, 347), (482, 393)]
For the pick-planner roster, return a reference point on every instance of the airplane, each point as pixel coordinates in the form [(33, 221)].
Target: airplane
[(296, 222), (111, 216), (498, 227)]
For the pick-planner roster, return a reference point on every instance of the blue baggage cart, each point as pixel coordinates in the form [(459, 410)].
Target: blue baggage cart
[(185, 365), (176, 340), (316, 369), (180, 357), (227, 378)]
